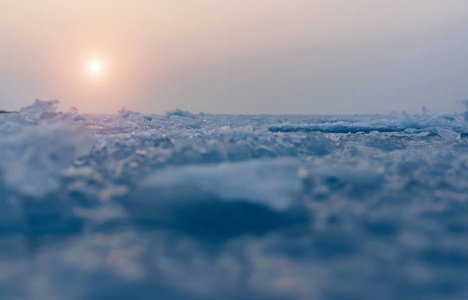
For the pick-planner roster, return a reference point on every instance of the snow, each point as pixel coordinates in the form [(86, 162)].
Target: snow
[(200, 206)]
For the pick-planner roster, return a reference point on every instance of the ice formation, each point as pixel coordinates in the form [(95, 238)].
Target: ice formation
[(200, 206)]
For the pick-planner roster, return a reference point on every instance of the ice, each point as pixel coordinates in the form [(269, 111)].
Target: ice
[(448, 134), (80, 118), (279, 182), (36, 145), (366, 124), (465, 104), (201, 206), (180, 113)]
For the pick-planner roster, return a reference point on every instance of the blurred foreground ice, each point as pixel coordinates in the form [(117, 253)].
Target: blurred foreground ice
[(183, 206)]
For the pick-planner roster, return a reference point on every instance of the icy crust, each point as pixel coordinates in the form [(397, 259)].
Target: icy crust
[(199, 206)]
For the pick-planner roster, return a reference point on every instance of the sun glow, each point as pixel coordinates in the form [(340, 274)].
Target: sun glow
[(95, 68)]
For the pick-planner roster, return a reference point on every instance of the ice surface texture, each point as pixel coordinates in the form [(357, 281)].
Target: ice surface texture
[(184, 206)]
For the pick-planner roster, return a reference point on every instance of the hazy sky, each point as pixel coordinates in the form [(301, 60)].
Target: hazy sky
[(235, 56)]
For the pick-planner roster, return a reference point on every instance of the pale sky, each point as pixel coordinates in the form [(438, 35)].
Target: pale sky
[(235, 56)]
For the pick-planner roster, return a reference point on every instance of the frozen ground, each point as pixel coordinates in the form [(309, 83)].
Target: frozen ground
[(183, 206)]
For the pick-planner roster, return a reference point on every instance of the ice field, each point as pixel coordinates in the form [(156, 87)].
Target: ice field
[(200, 206)]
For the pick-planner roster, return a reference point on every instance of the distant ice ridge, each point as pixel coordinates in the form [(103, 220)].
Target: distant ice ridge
[(449, 126), (200, 206)]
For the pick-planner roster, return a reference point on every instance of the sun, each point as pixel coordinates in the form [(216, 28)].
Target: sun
[(95, 68)]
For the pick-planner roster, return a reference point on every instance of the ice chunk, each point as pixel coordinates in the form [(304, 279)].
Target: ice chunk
[(180, 113), (447, 134), (33, 155), (465, 104), (276, 181), (124, 113), (39, 110), (80, 118)]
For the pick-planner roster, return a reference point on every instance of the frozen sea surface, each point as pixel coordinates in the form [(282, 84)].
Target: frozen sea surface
[(184, 206)]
